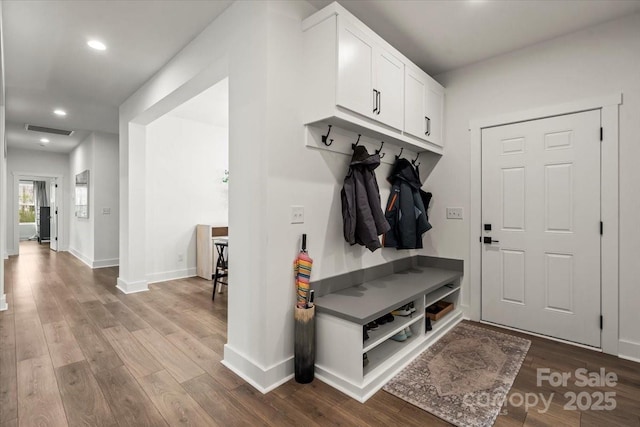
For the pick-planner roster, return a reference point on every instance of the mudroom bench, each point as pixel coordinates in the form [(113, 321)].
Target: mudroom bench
[(347, 302)]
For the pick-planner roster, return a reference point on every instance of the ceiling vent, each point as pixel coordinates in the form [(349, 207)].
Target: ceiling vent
[(48, 130)]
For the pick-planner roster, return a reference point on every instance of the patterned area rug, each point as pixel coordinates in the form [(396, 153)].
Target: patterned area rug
[(465, 377)]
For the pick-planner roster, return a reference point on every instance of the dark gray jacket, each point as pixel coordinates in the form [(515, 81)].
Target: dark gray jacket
[(406, 209), (362, 212)]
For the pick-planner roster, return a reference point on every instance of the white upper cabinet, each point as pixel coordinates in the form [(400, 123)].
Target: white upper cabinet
[(355, 70), (388, 89), (368, 77), (434, 113), (415, 90), (423, 103), (355, 80)]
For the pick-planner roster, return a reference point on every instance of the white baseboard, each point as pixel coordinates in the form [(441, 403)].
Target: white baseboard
[(262, 379), (171, 275), (467, 313), (3, 302), (85, 259), (629, 350), (102, 263), (12, 252), (132, 287)]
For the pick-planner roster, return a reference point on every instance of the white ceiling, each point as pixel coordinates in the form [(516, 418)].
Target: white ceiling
[(210, 107), (441, 35), (48, 64)]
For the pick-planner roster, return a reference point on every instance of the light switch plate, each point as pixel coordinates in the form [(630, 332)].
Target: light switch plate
[(106, 211), (297, 214), (454, 213)]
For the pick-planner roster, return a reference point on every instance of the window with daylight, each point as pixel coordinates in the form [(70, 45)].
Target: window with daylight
[(26, 203)]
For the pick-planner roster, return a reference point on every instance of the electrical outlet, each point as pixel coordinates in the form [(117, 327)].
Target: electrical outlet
[(454, 213), (180, 257), (297, 214), (106, 211)]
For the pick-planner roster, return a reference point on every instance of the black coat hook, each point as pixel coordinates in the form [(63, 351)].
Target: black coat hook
[(325, 137), (380, 149), (415, 160), (400, 153), (353, 146)]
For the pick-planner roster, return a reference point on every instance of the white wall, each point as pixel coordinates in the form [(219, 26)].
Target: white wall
[(26, 230), (94, 240), (81, 242), (3, 174), (106, 199), (3, 186), (35, 163), (234, 45), (599, 61), (185, 165)]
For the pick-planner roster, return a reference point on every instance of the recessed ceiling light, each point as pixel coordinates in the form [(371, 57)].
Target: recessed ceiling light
[(44, 140), (59, 112), (97, 45)]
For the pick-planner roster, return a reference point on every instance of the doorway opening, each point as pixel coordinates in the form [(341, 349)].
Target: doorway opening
[(27, 211), (187, 181), (36, 213)]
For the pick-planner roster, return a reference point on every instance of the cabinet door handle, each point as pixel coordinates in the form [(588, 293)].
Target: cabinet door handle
[(379, 102), (375, 101), (427, 125)]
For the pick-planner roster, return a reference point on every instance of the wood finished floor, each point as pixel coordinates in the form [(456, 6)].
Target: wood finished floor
[(75, 351)]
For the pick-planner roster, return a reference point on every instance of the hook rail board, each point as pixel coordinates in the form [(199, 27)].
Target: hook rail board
[(343, 140), (375, 132)]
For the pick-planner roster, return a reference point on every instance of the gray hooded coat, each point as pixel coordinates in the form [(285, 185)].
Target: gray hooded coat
[(362, 212)]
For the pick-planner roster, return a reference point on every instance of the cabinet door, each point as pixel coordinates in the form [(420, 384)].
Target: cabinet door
[(434, 104), (389, 82), (414, 104), (355, 70)]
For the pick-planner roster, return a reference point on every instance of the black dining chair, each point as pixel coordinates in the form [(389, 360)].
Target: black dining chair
[(221, 271)]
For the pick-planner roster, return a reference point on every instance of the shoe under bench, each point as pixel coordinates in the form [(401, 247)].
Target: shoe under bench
[(345, 303)]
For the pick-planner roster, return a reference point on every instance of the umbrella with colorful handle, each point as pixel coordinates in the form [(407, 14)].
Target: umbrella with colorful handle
[(304, 331), (302, 273)]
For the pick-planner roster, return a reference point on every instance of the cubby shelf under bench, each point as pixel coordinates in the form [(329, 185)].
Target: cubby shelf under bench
[(348, 302)]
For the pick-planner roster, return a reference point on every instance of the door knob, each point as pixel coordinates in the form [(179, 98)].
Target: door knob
[(489, 240)]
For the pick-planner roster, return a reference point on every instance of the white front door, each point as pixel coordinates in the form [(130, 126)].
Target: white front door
[(541, 201), (53, 206)]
